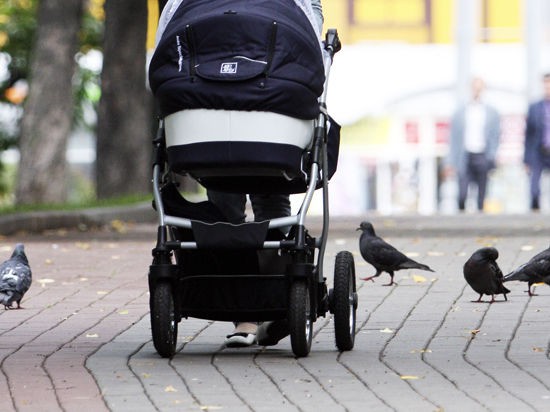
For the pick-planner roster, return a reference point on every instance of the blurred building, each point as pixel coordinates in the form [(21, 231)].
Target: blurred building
[(404, 66)]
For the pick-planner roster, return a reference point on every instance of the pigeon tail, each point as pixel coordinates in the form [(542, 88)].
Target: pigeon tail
[(516, 275)]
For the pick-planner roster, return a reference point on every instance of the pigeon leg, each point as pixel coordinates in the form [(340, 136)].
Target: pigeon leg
[(492, 299), (531, 293), (371, 278), (391, 280), (479, 299)]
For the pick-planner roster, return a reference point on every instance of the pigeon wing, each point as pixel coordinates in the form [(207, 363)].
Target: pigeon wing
[(383, 254)]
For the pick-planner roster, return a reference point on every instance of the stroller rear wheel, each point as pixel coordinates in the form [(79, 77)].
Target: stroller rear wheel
[(299, 317), (344, 301), (163, 320)]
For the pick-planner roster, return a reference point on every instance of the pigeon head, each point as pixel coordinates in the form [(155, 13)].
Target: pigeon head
[(487, 253), (367, 227), (19, 252)]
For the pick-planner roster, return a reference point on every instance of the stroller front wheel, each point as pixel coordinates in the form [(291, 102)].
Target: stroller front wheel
[(164, 324), (299, 317), (344, 301)]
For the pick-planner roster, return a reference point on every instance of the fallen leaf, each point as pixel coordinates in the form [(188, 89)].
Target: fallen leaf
[(418, 278), (92, 335), (210, 408), (83, 279), (434, 253), (82, 245), (119, 226), (526, 248), (115, 257), (123, 312), (421, 351), (170, 388), (340, 242), (48, 262), (43, 282), (386, 330), (146, 375), (412, 254), (539, 349), (409, 377), (475, 331), (102, 292)]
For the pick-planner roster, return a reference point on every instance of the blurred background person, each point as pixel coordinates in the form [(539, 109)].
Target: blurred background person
[(537, 142), (474, 140)]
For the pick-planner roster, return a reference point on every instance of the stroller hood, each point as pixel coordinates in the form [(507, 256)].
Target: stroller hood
[(261, 55)]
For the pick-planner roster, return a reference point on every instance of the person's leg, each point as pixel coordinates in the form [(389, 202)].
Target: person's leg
[(270, 206), (232, 205), (534, 183), (463, 182), (480, 171)]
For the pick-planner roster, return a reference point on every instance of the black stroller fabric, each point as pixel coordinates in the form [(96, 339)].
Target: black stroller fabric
[(238, 55)]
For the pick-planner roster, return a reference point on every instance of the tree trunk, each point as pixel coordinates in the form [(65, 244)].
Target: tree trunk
[(47, 119), (124, 146)]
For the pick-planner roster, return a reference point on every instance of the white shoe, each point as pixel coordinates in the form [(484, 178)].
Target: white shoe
[(240, 340)]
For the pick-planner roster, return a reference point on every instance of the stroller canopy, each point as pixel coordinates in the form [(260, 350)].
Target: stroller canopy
[(260, 55)]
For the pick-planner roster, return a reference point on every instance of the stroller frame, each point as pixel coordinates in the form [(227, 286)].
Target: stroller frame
[(297, 288)]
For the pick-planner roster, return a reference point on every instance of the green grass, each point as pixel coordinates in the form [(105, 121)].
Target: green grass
[(71, 206)]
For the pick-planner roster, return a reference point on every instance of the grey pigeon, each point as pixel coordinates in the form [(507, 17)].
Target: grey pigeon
[(537, 270), (482, 273), (383, 256), (15, 278)]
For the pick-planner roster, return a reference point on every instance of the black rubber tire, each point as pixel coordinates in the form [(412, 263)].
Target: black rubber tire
[(299, 318), (344, 301), (164, 325)]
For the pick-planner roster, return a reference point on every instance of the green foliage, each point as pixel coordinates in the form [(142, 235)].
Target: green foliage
[(17, 31), (17, 27)]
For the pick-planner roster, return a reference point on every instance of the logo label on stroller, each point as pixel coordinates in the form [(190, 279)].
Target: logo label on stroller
[(228, 68)]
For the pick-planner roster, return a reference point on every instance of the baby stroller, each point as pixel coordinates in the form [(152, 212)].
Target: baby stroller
[(242, 92)]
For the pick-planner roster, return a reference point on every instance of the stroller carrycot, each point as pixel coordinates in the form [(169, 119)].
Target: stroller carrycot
[(241, 87), (238, 84)]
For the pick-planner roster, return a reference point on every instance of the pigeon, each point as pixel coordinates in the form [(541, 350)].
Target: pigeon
[(383, 256), (15, 278), (535, 271), (482, 273)]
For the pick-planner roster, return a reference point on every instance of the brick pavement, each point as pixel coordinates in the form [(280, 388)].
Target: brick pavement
[(84, 336)]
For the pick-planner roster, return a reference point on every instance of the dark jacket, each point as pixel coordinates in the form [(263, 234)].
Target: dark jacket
[(534, 133)]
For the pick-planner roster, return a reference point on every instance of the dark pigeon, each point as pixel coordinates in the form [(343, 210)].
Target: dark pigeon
[(15, 278), (383, 256), (537, 270), (482, 273)]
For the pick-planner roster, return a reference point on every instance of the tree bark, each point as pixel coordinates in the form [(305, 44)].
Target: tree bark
[(125, 109), (48, 115)]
